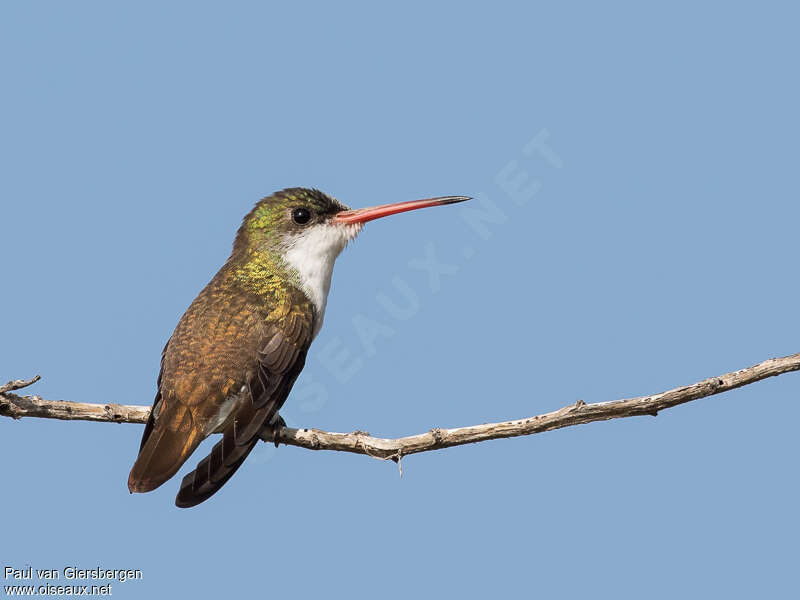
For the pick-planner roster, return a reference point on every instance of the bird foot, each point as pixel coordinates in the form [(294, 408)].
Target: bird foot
[(277, 424)]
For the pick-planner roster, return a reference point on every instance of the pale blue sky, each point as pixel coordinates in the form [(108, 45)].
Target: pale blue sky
[(653, 244)]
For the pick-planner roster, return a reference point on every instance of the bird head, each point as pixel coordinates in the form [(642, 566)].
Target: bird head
[(301, 221)]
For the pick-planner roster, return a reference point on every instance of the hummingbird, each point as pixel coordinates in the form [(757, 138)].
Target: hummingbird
[(238, 349)]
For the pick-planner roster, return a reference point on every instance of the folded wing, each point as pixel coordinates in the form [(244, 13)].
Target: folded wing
[(279, 362)]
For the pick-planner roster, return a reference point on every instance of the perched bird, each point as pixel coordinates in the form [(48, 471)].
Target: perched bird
[(239, 347)]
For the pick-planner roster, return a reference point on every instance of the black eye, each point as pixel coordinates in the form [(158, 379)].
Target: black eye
[(301, 216)]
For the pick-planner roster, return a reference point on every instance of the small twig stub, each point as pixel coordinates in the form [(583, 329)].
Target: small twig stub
[(18, 384)]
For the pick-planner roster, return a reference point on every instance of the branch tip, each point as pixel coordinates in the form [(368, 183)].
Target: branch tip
[(18, 384)]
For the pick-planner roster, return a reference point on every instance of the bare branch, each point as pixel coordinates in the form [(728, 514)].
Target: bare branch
[(16, 407), (359, 442)]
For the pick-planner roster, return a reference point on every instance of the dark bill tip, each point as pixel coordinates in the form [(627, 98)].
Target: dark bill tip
[(362, 215)]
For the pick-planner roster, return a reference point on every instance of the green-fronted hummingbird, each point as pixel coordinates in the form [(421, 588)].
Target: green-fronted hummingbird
[(239, 347)]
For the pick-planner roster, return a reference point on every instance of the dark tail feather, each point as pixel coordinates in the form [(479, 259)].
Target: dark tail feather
[(227, 455), (214, 470)]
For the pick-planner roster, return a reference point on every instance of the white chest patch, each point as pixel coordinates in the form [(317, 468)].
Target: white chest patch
[(312, 254)]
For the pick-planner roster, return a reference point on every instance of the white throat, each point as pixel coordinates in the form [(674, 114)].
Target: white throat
[(312, 254)]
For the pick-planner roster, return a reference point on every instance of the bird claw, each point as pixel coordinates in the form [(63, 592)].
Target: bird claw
[(277, 424)]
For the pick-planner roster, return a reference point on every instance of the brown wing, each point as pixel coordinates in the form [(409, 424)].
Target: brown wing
[(160, 459), (211, 357), (280, 361)]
